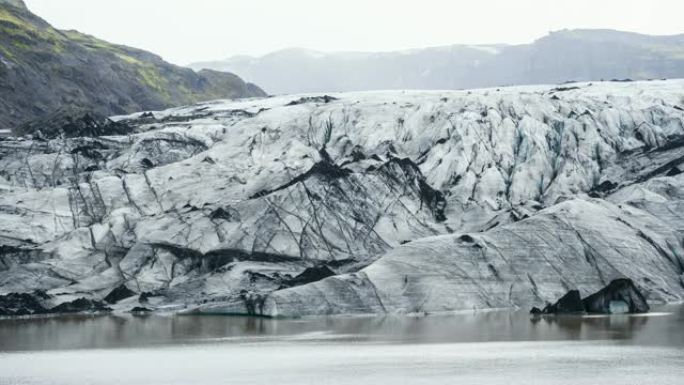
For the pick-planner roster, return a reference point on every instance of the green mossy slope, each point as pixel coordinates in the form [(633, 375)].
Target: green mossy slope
[(43, 69)]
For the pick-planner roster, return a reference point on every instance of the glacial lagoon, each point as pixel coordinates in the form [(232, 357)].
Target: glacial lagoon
[(499, 347)]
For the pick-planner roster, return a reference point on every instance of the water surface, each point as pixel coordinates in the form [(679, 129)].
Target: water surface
[(484, 348)]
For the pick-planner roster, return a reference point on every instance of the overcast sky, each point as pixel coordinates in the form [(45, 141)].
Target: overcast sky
[(185, 31)]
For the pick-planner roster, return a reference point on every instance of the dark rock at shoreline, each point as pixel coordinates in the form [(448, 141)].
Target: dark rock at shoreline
[(80, 305), (116, 295), (620, 296), (16, 304), (140, 309), (569, 303)]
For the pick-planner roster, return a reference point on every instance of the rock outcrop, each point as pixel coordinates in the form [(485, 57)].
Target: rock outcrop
[(118, 294), (38, 303), (415, 201), (43, 69), (567, 304), (71, 123), (619, 296), (80, 305), (19, 304), (310, 274)]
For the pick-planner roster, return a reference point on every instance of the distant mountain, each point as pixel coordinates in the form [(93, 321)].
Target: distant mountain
[(558, 57), (43, 69)]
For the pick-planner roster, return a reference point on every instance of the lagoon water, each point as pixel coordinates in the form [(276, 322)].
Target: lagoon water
[(484, 348)]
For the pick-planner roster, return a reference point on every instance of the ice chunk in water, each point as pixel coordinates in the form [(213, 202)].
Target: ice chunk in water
[(618, 307)]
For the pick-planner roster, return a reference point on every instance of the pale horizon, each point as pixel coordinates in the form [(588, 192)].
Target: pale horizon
[(184, 32)]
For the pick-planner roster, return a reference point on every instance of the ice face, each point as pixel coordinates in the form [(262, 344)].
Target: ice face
[(417, 201)]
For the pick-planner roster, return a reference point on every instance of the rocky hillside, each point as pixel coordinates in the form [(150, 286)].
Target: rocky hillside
[(577, 55), (353, 203), (43, 69)]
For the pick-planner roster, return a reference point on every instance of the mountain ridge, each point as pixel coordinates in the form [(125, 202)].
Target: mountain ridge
[(43, 69), (565, 55)]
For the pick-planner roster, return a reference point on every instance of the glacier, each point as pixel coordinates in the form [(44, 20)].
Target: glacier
[(367, 202)]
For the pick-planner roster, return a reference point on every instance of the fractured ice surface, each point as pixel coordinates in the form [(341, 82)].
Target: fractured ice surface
[(417, 201)]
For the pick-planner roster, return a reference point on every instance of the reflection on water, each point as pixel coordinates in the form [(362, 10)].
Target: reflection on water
[(621, 326), (497, 348), (119, 331)]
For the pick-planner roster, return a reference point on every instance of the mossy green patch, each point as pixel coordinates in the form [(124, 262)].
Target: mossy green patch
[(148, 74), (79, 69), (10, 21), (28, 35), (7, 54), (6, 15), (151, 77), (95, 44), (129, 59)]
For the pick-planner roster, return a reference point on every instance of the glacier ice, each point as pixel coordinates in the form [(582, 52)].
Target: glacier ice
[(416, 201)]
